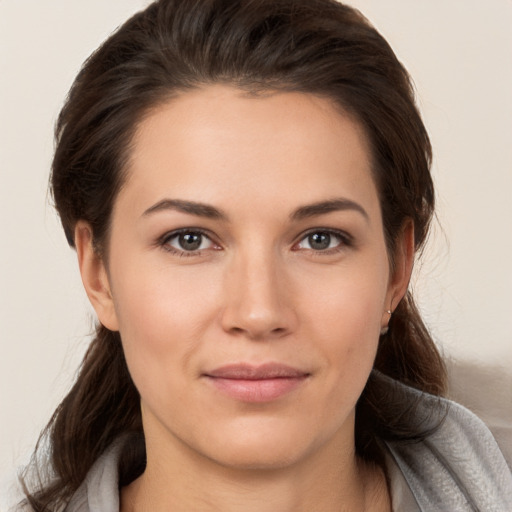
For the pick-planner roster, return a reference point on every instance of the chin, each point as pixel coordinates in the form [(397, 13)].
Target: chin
[(269, 448), (258, 457)]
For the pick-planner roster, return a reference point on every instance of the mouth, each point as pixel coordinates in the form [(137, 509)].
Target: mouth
[(256, 384)]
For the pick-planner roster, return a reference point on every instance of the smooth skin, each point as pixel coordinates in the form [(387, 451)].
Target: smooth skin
[(249, 230)]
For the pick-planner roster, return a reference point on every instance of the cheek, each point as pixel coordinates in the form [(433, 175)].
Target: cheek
[(162, 315), (160, 322), (151, 297), (349, 301), (345, 320)]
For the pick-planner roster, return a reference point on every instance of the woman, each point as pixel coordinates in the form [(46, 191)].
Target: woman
[(246, 185)]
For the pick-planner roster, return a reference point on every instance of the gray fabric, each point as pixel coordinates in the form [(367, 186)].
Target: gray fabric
[(458, 468), (99, 492), (402, 497)]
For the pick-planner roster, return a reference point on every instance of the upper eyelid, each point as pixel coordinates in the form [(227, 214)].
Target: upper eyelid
[(163, 242), (333, 231), (344, 235), (175, 232)]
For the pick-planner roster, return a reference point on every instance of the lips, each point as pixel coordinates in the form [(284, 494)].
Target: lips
[(257, 384)]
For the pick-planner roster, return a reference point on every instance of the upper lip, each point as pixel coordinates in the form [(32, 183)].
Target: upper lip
[(244, 371)]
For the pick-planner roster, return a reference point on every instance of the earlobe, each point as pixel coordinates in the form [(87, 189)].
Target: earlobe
[(94, 276)]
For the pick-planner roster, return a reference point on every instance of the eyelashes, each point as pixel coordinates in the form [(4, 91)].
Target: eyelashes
[(187, 242), (324, 241)]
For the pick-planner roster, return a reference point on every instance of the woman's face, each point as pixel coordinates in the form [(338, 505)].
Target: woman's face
[(248, 275)]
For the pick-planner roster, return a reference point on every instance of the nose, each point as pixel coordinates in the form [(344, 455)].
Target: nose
[(258, 296)]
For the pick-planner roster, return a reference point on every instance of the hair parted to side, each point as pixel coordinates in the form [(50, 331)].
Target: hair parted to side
[(320, 47)]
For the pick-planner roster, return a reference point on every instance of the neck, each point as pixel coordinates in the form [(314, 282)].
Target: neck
[(182, 480)]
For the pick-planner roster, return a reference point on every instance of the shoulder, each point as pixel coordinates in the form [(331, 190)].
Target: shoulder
[(458, 466)]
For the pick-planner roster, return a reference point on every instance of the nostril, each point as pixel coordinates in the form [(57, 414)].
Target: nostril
[(258, 333)]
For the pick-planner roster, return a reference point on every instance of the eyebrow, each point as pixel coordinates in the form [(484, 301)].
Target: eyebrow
[(191, 207), (325, 207), (210, 212)]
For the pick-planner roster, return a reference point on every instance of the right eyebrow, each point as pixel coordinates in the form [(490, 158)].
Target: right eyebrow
[(190, 207)]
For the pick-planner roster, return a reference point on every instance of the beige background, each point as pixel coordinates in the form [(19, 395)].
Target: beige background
[(459, 53)]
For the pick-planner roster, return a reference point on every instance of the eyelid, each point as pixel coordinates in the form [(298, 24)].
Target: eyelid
[(163, 241), (346, 239)]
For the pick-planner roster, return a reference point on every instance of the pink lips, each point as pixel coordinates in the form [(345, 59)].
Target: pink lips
[(257, 384)]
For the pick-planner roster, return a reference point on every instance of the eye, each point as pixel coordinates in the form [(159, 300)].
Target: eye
[(323, 240), (187, 241)]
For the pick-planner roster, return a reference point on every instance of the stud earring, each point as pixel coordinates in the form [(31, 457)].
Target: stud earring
[(385, 329)]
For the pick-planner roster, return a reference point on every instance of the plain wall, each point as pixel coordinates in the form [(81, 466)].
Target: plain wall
[(460, 56)]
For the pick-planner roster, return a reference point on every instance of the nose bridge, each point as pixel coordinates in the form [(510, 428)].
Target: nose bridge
[(256, 294)]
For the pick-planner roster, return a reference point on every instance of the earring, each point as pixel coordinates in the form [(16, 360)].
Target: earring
[(385, 329)]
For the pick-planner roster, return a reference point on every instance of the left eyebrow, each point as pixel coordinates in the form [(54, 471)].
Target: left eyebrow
[(325, 207)]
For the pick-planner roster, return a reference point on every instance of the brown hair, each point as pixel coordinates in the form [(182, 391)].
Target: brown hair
[(313, 46)]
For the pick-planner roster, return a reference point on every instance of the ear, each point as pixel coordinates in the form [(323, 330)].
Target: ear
[(402, 267), (94, 276)]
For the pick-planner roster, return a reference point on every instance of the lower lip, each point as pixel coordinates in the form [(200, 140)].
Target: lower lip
[(257, 391)]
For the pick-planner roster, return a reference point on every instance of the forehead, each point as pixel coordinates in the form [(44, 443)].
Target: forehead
[(218, 142)]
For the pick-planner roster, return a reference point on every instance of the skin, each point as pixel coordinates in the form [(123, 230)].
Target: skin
[(257, 291)]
